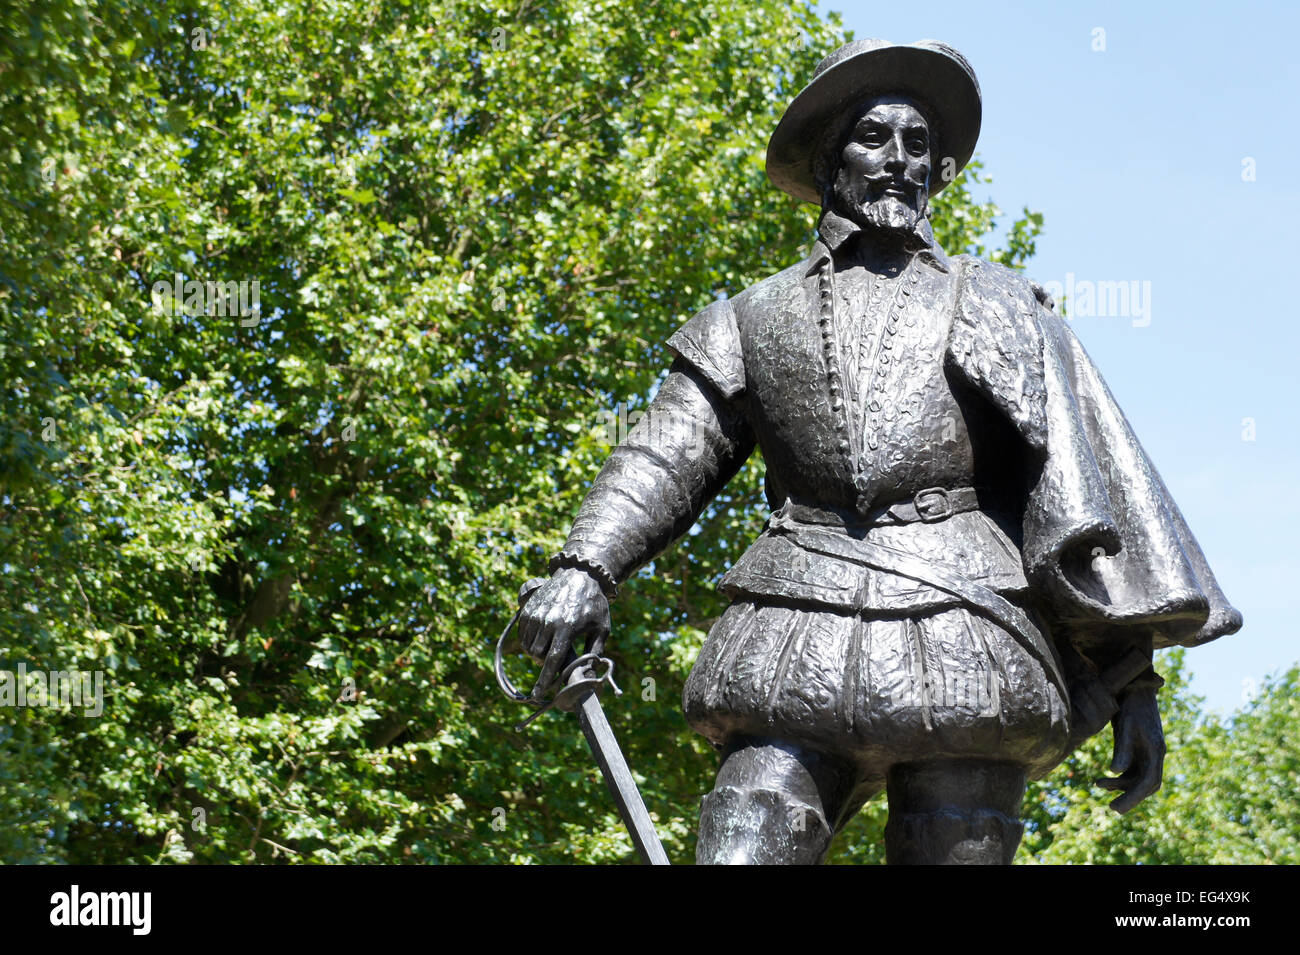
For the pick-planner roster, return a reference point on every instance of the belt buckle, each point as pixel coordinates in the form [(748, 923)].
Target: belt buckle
[(781, 519), (924, 499)]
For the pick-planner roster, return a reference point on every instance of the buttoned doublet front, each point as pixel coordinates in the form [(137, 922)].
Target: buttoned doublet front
[(883, 326)]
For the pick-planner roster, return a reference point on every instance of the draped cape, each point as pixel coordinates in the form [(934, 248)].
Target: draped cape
[(1105, 546)]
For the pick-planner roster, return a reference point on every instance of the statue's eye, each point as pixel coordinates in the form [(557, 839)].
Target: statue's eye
[(916, 145), (873, 138)]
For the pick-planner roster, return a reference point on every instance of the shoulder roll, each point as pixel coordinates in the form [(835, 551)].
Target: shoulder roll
[(710, 343)]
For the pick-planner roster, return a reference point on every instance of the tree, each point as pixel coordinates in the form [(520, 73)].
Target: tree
[(1231, 793)]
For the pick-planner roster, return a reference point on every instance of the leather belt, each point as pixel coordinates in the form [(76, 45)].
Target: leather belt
[(834, 542), (928, 506)]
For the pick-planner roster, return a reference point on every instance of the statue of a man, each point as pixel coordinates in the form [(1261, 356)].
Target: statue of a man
[(970, 558)]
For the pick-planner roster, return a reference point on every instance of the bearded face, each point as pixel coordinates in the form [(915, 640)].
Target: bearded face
[(882, 180)]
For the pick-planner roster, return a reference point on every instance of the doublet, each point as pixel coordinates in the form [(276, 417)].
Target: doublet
[(842, 373), (883, 330)]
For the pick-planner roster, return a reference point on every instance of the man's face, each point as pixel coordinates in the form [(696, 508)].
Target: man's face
[(884, 168)]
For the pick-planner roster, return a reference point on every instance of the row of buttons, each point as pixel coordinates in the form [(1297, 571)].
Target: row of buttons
[(826, 321)]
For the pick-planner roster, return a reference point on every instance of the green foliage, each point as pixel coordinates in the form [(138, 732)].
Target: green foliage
[(1231, 790), (963, 225), (289, 539)]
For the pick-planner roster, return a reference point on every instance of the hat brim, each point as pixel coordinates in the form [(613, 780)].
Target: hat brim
[(947, 94)]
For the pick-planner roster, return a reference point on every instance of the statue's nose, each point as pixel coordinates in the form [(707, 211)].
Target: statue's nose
[(895, 156)]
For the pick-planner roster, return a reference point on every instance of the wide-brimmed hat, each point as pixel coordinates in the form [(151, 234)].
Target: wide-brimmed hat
[(932, 74)]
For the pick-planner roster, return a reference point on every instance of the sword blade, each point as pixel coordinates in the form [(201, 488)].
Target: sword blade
[(600, 737)]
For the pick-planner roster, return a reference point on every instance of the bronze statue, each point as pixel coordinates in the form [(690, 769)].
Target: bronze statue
[(970, 558)]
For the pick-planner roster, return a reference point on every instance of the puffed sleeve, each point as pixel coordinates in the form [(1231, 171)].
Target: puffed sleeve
[(691, 440)]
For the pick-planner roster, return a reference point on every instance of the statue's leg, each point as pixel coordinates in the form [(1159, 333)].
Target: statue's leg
[(954, 812), (774, 803)]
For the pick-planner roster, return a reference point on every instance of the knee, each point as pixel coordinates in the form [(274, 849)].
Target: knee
[(754, 825), (952, 837), (954, 812)]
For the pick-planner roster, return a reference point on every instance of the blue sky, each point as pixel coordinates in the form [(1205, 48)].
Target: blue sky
[(1135, 154)]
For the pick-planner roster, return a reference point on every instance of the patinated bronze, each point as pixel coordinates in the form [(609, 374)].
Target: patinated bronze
[(970, 559)]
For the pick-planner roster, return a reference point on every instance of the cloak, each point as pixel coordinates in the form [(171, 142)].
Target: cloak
[(1105, 545)]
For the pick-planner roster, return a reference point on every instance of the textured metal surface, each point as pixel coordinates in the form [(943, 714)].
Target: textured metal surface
[(619, 778), (583, 676), (882, 380)]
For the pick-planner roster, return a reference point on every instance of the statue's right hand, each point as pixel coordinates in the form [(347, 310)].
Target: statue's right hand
[(568, 606)]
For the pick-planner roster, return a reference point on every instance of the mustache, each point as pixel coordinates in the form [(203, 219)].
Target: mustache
[(879, 184)]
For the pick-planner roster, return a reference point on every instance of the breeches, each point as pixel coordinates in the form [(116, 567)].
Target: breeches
[(878, 690)]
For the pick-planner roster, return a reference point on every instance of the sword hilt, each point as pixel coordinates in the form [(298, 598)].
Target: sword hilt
[(583, 677), (580, 675)]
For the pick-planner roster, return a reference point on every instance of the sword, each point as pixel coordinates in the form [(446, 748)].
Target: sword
[(582, 676)]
